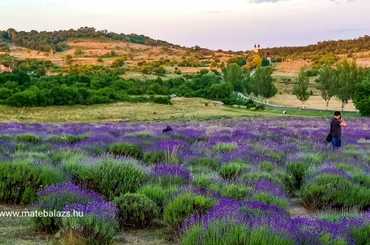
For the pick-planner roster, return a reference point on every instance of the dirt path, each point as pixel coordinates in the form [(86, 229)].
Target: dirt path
[(296, 209)]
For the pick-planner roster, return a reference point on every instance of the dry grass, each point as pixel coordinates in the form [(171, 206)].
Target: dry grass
[(314, 102)]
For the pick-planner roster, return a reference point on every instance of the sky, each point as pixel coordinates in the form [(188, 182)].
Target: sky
[(214, 24)]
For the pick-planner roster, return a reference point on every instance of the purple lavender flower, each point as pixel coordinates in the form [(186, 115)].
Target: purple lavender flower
[(171, 170), (99, 208), (69, 187)]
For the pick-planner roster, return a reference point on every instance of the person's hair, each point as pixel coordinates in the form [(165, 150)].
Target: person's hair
[(337, 113)]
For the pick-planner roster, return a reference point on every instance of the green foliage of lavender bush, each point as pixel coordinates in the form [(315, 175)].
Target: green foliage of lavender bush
[(89, 229), (113, 179), (136, 210), (218, 233), (330, 191), (327, 239), (28, 138), (232, 170), (19, 181), (154, 157), (203, 181), (158, 194), (267, 166), (361, 235), (81, 174), (223, 233), (53, 202), (225, 147), (271, 200), (67, 139), (206, 162), (124, 149), (234, 191), (256, 176), (185, 205), (294, 177)]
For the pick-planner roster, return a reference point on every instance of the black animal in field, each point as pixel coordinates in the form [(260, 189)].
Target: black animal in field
[(168, 129)]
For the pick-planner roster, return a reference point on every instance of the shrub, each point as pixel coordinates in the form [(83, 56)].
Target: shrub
[(256, 176), (295, 174), (89, 229), (185, 205), (264, 236), (232, 170), (158, 194), (28, 138), (81, 174), (225, 147), (123, 149), (267, 166), (154, 157), (235, 191), (136, 210), (271, 200), (203, 181), (55, 198), (225, 233), (217, 233), (207, 162), (330, 191), (166, 100), (67, 139), (19, 182), (114, 178), (361, 235)]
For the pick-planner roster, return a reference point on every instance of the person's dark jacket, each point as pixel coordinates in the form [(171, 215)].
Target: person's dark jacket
[(335, 128)]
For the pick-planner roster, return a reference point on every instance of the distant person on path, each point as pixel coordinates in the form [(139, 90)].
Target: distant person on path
[(335, 134)]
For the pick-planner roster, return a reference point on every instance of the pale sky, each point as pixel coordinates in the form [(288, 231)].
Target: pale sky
[(215, 24)]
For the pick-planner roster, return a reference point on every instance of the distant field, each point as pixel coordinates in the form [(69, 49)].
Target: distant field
[(314, 102), (182, 109)]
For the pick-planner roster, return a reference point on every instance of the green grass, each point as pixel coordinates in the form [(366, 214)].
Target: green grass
[(182, 109)]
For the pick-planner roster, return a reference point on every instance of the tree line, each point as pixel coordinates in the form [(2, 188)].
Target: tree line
[(29, 85), (322, 48), (56, 40), (345, 81)]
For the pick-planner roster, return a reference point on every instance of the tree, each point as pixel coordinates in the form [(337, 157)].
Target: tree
[(326, 83), (361, 97), (348, 76), (301, 87), (261, 83), (235, 75)]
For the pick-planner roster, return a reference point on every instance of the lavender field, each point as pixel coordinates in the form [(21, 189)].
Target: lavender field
[(250, 181)]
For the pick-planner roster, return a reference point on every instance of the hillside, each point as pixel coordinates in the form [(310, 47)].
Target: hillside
[(142, 58)]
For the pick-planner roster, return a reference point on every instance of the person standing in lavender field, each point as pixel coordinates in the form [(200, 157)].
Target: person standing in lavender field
[(335, 134)]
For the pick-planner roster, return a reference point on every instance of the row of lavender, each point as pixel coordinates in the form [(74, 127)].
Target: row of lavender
[(248, 172)]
